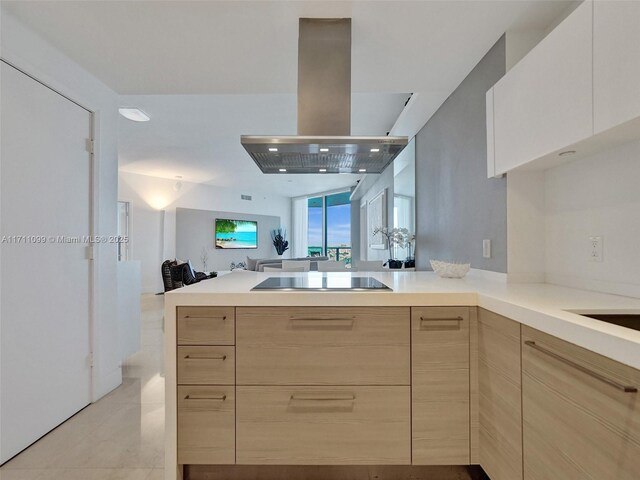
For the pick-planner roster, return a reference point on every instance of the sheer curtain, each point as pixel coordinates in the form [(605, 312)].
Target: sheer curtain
[(300, 226)]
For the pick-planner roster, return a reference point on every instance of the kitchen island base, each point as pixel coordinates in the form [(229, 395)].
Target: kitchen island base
[(330, 472)]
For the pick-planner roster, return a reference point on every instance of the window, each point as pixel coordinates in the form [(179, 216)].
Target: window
[(329, 226)]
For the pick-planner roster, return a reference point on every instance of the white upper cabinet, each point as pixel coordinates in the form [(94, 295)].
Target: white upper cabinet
[(545, 102), (616, 63)]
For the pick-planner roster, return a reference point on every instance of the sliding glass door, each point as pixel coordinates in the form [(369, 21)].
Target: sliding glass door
[(329, 226)]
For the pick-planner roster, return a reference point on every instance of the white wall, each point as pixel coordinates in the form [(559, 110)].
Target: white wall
[(595, 196), (30, 53), (150, 196), (195, 231), (525, 227)]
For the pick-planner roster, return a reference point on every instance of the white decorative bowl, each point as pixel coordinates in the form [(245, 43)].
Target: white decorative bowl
[(450, 270)]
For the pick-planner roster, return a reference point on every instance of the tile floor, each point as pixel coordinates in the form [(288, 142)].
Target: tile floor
[(120, 437)]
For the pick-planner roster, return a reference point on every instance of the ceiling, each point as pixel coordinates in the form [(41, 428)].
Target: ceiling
[(198, 137), (209, 71)]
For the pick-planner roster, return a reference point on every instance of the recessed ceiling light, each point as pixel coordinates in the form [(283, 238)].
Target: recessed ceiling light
[(282, 169), (324, 149), (362, 170), (134, 114), (322, 170), (567, 152), (273, 149), (374, 150)]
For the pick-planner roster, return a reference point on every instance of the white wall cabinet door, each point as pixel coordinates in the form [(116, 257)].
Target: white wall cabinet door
[(545, 101), (45, 179), (616, 63)]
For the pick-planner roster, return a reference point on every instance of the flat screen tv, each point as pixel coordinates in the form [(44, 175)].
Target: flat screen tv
[(236, 233)]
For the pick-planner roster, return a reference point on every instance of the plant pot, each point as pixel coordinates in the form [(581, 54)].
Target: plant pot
[(395, 264), (410, 263)]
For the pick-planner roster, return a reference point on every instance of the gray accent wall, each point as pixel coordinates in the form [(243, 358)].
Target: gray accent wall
[(195, 230), (457, 206)]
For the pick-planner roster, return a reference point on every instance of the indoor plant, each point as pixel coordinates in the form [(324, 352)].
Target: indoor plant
[(409, 240), (394, 236), (279, 238)]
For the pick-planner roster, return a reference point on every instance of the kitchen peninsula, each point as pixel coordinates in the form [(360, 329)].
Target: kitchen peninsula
[(431, 372)]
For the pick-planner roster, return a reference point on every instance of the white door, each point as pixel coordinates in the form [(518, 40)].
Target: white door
[(45, 179)]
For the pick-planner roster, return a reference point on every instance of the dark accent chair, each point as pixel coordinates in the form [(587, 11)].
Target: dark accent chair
[(167, 277), (176, 275)]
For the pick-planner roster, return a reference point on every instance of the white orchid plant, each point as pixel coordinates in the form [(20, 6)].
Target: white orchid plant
[(400, 237)]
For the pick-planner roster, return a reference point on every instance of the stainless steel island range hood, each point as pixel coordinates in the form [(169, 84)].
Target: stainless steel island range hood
[(323, 143)]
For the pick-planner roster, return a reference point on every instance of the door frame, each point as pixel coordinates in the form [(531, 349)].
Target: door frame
[(93, 216)]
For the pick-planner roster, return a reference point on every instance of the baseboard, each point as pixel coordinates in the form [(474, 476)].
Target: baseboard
[(331, 472)]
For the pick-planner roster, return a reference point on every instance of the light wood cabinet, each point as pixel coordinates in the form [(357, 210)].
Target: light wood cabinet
[(206, 325), (399, 386), (500, 391), (440, 385), (544, 103), (616, 63), (323, 425), (206, 425), (323, 346), (208, 365), (578, 421)]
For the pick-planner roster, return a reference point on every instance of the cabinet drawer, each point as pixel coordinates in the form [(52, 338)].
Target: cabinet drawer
[(440, 379), (206, 365), (206, 325), (578, 422), (323, 425), (323, 346), (206, 425)]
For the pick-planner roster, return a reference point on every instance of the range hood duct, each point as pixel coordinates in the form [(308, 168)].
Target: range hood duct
[(323, 143)]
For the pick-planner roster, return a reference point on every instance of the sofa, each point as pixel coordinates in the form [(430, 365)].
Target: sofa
[(258, 264)]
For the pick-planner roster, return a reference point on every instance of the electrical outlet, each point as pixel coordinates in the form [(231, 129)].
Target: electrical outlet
[(595, 249), (486, 248)]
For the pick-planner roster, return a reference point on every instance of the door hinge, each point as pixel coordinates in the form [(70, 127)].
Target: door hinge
[(89, 145), (89, 252), (90, 360)]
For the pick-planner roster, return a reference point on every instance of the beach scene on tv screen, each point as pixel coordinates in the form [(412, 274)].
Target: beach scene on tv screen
[(236, 234)]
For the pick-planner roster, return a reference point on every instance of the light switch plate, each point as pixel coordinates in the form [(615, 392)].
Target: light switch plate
[(486, 248)]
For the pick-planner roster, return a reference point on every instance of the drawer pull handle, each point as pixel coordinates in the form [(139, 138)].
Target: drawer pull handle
[(591, 373), (205, 318), (323, 323), (220, 398), (343, 398), (325, 319), (434, 323), (452, 319), (215, 357)]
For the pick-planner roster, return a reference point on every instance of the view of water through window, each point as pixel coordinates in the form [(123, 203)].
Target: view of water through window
[(329, 230)]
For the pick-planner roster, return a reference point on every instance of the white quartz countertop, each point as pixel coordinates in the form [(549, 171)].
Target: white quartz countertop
[(546, 307)]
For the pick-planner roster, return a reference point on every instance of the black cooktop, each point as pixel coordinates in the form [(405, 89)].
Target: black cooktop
[(332, 283)]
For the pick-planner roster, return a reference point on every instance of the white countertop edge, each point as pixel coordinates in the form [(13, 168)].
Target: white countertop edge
[(618, 343), (545, 307)]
